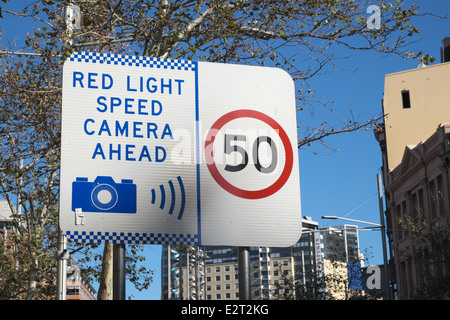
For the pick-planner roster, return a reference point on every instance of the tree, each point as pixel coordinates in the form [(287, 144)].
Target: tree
[(430, 252), (299, 36)]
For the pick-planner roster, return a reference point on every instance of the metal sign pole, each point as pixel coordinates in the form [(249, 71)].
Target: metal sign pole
[(62, 253), (119, 272), (244, 273), (62, 256)]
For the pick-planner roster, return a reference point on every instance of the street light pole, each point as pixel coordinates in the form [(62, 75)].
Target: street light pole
[(353, 220)]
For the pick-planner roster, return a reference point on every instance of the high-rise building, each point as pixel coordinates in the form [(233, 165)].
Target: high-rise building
[(342, 261), (274, 272)]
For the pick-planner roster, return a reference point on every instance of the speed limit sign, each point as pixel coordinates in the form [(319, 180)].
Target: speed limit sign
[(255, 148), (251, 158), (164, 151)]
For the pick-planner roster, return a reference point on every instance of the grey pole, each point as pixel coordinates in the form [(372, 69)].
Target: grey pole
[(119, 272), (169, 275), (244, 273), (383, 239), (62, 256)]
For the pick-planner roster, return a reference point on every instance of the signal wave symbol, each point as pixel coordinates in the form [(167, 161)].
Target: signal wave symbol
[(173, 196)]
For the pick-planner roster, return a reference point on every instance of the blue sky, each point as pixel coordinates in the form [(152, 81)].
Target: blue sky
[(343, 183)]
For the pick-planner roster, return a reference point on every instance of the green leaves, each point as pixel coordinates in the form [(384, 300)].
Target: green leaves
[(302, 37)]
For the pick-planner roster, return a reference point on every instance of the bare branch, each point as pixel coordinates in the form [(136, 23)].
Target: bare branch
[(29, 16)]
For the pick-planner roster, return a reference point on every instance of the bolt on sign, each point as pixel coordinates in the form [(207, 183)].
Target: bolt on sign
[(160, 151)]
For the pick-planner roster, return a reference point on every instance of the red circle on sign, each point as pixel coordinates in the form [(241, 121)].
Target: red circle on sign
[(248, 194)]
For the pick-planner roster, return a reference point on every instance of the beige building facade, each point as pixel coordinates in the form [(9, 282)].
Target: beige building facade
[(220, 281), (413, 140), (415, 102)]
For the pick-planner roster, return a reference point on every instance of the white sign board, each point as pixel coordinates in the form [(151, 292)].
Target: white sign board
[(178, 152)]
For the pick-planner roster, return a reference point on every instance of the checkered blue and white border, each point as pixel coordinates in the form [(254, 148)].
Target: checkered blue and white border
[(137, 61), (137, 238), (122, 237)]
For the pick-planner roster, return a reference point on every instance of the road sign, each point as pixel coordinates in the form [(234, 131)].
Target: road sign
[(165, 151)]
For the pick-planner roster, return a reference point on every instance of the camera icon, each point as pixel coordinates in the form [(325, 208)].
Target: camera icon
[(104, 195)]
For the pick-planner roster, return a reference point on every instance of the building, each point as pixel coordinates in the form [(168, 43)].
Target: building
[(341, 243), (268, 268), (8, 226), (412, 139), (415, 102), (6, 223), (77, 289), (342, 261), (419, 204), (297, 272)]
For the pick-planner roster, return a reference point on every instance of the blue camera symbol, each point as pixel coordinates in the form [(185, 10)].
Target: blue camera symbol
[(104, 195)]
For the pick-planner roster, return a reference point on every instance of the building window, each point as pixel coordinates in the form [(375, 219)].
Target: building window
[(440, 194), (421, 206), (437, 197), (406, 101), (72, 291), (398, 212), (404, 217), (434, 199), (417, 206), (414, 206)]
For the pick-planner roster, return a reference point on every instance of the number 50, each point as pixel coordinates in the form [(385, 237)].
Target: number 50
[(228, 149)]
